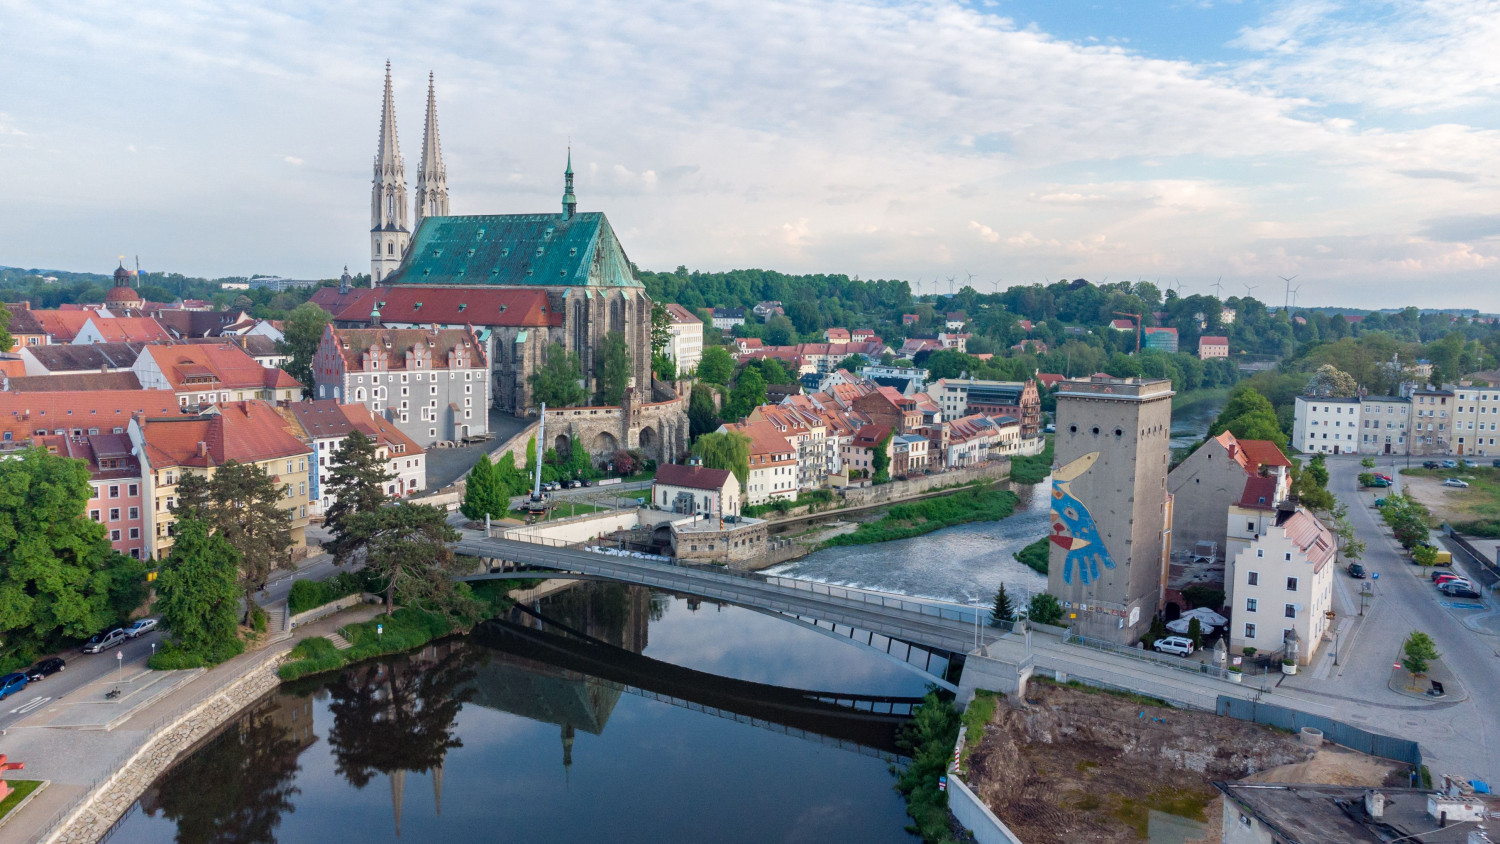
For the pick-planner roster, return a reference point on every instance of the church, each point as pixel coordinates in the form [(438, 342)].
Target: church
[(525, 283)]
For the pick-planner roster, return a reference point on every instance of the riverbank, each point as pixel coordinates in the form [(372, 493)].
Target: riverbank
[(904, 521)]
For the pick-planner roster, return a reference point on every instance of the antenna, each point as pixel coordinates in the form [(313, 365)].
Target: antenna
[(1286, 303)]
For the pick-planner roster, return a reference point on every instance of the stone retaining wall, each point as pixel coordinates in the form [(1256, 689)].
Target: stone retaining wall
[(340, 605), (895, 491), (114, 796)]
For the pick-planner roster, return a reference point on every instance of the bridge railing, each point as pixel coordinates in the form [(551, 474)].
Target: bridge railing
[(1190, 666), (945, 610)]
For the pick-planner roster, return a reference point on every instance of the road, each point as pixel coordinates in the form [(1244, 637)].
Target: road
[(82, 669), (1461, 738)]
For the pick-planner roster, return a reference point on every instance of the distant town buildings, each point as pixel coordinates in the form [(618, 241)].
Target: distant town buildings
[(685, 347), (1211, 347)]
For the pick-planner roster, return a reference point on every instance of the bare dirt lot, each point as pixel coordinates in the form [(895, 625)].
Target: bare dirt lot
[(1075, 765), (1448, 504)]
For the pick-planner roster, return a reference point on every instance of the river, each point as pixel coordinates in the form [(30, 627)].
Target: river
[(524, 731), (961, 563)]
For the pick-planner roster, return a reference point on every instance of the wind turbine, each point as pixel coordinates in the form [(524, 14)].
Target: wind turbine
[(951, 279), (970, 282), (1218, 287), (1248, 288), (1294, 294), (1287, 302)]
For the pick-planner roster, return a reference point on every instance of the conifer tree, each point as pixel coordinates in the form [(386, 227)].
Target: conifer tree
[(479, 490), (356, 483), (197, 593), (243, 505), (1003, 612), (509, 481)]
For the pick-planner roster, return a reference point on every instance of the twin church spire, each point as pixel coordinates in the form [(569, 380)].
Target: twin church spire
[(389, 233)]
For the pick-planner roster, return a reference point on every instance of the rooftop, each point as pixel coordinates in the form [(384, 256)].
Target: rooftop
[(244, 431), (1319, 814), (471, 305), (691, 477), (516, 250)]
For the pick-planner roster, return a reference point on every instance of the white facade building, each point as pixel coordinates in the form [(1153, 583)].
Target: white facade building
[(1280, 580), (685, 347), (1476, 420), (1327, 425)]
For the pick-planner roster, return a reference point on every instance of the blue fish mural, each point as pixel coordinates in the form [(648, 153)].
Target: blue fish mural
[(1073, 528)]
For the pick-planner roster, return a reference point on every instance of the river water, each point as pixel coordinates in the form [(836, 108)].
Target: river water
[(633, 723), (961, 563)]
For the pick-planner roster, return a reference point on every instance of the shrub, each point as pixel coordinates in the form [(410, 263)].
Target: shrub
[(928, 740), (259, 620), (1044, 609), (972, 504), (170, 656), (1032, 469), (1036, 555), (311, 594)]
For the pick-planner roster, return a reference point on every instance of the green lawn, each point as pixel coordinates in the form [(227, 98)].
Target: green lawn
[(22, 789)]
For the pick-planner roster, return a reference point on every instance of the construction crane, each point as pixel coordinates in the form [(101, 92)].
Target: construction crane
[(1137, 328)]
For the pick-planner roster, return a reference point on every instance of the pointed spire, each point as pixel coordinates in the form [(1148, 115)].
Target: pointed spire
[(389, 155), (389, 235), (432, 180), (398, 791), (570, 202)]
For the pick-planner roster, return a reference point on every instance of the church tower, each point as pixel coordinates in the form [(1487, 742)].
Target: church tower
[(389, 235), (432, 181), (570, 202)]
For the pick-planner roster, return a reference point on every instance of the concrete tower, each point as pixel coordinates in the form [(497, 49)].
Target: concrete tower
[(432, 181), (1111, 514), (389, 235)]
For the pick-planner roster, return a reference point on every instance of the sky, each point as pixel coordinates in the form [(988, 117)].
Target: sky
[(1353, 145)]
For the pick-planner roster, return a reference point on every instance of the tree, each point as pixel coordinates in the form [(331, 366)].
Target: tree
[(703, 417), (57, 569), (772, 371), (749, 393), (1424, 555), (1330, 382), (1044, 609), (356, 482), (198, 594), (880, 459), (614, 369), (483, 490), (727, 450), (780, 331), (1195, 632), (1002, 613), (661, 327), (716, 366), (852, 363), (243, 505), (509, 480), (303, 330), (409, 553), (6, 340), (1249, 416), (1418, 653), (556, 382), (1368, 462), (1310, 485)]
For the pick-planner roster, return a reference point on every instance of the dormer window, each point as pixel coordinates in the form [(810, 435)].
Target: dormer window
[(540, 250)]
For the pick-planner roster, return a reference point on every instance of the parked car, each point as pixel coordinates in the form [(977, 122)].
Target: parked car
[(141, 627), (1454, 589), (1450, 464), (1444, 574), (587, 482), (1357, 571), (1495, 463), (1467, 463), (1049, 428), (12, 683), (102, 642), (1381, 483), (1433, 464), (1381, 502), (1446, 579), (1382, 475), (1179, 645), (1455, 482), (45, 668)]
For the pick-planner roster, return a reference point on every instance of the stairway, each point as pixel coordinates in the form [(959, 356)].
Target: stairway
[(339, 642), (276, 619)]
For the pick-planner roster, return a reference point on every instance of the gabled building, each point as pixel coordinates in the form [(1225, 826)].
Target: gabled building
[(967, 396), (685, 346), (1213, 478), (859, 455), (699, 490), (101, 329), (65, 358), (727, 318), (1210, 348), (63, 324), (773, 462), (25, 329), (249, 432), (432, 384), (26, 417), (1279, 581), (182, 324), (324, 425), (211, 373), (886, 407)]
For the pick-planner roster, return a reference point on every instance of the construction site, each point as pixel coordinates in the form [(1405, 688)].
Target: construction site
[(1075, 764)]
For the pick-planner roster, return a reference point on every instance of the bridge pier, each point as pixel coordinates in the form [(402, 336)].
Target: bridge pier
[(982, 671)]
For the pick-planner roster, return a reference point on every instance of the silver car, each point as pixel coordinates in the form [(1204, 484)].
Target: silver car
[(141, 627), (102, 642)]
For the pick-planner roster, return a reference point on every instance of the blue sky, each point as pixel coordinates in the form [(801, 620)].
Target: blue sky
[(1354, 144)]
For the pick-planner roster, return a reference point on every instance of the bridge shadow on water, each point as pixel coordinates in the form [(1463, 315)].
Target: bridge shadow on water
[(860, 723)]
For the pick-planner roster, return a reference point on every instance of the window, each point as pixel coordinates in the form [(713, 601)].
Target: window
[(1253, 578), (1291, 584), (171, 502), (114, 536), (1250, 526), (1260, 552), (133, 490), (94, 514), (1249, 631), (1250, 604), (1288, 556), (114, 490), (135, 533), (135, 513), (1291, 610), (114, 514)]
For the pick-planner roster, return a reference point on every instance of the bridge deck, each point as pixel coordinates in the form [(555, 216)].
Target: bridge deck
[(931, 624)]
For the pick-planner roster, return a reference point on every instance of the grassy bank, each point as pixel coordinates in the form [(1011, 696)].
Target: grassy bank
[(975, 503), (1035, 555), (1032, 469), (928, 740), (408, 628)]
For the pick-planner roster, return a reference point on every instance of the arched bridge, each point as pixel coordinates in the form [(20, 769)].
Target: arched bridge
[(888, 623)]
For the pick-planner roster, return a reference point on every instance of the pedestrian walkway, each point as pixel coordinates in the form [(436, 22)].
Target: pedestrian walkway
[(339, 642)]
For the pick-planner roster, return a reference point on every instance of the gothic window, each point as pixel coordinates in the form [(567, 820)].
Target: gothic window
[(390, 248), (616, 315)]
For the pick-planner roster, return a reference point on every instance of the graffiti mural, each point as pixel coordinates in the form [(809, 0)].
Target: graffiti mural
[(1073, 528)]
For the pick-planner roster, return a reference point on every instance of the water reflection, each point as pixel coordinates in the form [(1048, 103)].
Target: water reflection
[(490, 716)]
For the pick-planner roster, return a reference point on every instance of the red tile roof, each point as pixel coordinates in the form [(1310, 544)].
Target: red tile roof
[(129, 329), (334, 302), (1050, 379), (214, 366), (90, 381), (244, 431), (691, 477), (1311, 536), (326, 418), (423, 305), (1207, 340), (63, 325), (1264, 453), (680, 314), (396, 342), (1260, 493), (22, 414)]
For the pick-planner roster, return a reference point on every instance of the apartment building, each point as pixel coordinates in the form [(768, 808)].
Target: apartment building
[(967, 396), (250, 432), (324, 425), (1384, 424), (115, 499), (859, 455), (1328, 425), (204, 374), (685, 346), (1432, 421), (773, 462), (1476, 420), (805, 433), (1212, 479), (1210, 347), (908, 455)]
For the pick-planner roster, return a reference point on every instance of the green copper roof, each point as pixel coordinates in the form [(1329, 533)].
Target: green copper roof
[(516, 249)]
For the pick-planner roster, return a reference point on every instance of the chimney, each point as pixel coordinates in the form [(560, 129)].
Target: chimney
[(1374, 804), (202, 449)]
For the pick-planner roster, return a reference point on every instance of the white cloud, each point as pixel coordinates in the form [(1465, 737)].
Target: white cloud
[(855, 136)]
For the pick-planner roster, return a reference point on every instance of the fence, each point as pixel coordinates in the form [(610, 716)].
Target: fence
[(1176, 663), (970, 810), (1474, 553), (1354, 738)]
